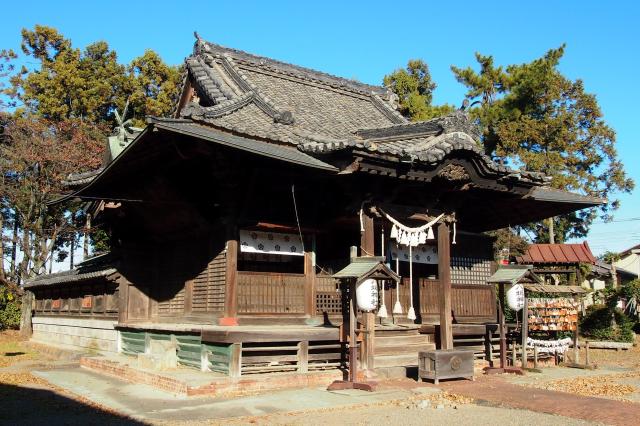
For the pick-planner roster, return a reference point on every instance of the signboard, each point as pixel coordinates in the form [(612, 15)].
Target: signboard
[(270, 243)]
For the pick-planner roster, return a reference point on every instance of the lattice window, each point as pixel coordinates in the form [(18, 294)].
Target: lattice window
[(328, 296), (470, 270)]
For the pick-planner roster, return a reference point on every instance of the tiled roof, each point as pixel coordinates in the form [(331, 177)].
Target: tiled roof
[(319, 113), (285, 97), (97, 267), (557, 254)]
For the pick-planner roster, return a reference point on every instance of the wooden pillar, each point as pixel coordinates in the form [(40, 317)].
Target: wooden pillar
[(503, 334), (303, 356), (123, 302), (235, 360), (231, 291), (576, 348), (367, 245), (309, 285), (367, 248), (525, 330), (444, 276), (353, 342), (488, 346)]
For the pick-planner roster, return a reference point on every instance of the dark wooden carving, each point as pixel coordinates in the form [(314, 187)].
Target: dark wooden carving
[(454, 173)]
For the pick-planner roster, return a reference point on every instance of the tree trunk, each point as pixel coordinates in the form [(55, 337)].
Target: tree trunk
[(552, 235), (72, 249), (2, 276), (14, 247), (614, 275), (26, 328), (87, 231)]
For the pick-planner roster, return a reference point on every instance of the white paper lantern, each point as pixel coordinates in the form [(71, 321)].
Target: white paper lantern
[(515, 297), (367, 295)]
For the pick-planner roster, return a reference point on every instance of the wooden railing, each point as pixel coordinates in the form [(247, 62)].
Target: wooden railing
[(275, 293), (270, 293), (469, 301)]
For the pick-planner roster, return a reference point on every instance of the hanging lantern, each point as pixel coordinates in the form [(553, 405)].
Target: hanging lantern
[(515, 297), (367, 295)]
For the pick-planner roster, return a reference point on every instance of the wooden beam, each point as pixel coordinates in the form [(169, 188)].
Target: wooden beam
[(444, 276)]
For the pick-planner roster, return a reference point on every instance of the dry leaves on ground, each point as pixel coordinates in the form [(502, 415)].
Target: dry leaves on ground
[(21, 379), (600, 386)]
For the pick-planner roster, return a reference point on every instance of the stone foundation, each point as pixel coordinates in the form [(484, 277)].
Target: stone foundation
[(76, 333), (222, 386)]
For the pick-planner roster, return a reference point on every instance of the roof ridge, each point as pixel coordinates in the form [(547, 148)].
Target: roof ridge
[(287, 68)]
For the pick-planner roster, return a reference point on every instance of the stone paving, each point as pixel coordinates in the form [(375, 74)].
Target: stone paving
[(497, 391)]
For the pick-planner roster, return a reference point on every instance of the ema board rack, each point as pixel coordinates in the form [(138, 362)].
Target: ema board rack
[(557, 314)]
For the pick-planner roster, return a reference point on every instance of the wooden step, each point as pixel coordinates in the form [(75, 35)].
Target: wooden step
[(399, 340), (404, 350), (396, 360), (397, 332)]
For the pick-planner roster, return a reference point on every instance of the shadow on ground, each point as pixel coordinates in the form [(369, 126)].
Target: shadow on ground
[(29, 406)]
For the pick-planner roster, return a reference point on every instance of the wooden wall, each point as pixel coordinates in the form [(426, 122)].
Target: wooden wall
[(180, 281)]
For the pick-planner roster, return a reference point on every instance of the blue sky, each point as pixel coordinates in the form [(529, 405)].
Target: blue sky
[(366, 40)]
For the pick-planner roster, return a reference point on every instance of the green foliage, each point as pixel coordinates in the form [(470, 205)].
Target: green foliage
[(89, 84), (9, 307), (597, 324), (609, 256), (100, 241), (152, 86), (64, 107), (542, 121), (414, 87), (508, 243), (631, 293)]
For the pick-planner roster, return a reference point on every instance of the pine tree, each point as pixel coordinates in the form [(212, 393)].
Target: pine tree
[(542, 121), (414, 87)]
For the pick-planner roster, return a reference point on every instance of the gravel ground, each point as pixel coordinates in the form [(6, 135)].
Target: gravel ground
[(465, 414)]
